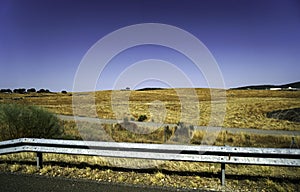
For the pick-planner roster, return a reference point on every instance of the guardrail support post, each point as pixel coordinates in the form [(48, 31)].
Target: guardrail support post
[(39, 160), (223, 174)]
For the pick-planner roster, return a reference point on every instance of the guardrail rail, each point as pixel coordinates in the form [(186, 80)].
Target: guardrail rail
[(195, 153)]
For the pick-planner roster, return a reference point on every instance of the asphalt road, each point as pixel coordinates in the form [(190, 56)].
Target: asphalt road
[(10, 182), (151, 124)]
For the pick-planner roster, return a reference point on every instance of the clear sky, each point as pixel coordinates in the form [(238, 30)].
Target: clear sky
[(42, 42)]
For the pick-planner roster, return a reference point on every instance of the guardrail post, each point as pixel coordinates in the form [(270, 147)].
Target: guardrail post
[(223, 174), (39, 160)]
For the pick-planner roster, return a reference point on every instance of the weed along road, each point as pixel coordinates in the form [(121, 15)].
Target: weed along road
[(151, 124), (31, 183)]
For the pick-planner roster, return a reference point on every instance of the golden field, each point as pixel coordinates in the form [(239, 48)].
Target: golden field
[(243, 108), (120, 133)]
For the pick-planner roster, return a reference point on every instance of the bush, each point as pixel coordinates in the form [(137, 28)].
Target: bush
[(17, 121), (142, 118)]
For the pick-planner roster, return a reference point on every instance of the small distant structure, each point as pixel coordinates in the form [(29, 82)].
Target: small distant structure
[(284, 89), (292, 89), (126, 89), (275, 89)]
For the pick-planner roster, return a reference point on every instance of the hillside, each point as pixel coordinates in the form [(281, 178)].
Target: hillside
[(264, 87)]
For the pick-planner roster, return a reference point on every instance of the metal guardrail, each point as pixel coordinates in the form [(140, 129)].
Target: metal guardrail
[(195, 153)]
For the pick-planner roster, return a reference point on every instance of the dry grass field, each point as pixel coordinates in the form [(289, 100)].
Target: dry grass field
[(117, 133), (244, 108)]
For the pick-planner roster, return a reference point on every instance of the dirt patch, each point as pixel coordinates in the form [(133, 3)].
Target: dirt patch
[(286, 114)]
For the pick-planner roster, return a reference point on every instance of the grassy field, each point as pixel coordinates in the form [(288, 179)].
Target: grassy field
[(244, 109), (118, 133)]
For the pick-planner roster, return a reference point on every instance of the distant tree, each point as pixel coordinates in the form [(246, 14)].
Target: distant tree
[(31, 90), (64, 92), (20, 91), (47, 91), (6, 91), (41, 91)]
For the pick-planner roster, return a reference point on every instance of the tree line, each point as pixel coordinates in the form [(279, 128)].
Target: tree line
[(23, 91)]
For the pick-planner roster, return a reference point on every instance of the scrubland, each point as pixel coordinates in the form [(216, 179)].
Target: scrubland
[(243, 109)]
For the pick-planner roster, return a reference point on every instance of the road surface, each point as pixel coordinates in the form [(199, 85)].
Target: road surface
[(10, 182)]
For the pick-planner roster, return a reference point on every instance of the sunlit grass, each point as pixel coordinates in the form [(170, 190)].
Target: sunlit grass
[(244, 108), (117, 133)]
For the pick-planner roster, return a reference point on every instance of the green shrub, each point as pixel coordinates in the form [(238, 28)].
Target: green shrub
[(17, 121), (142, 118)]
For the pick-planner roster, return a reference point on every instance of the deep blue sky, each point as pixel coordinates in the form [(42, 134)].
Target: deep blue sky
[(43, 41)]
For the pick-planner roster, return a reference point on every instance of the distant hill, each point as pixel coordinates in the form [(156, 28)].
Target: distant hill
[(149, 89), (263, 87), (294, 85)]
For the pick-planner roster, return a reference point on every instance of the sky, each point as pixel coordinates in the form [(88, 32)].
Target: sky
[(43, 42)]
